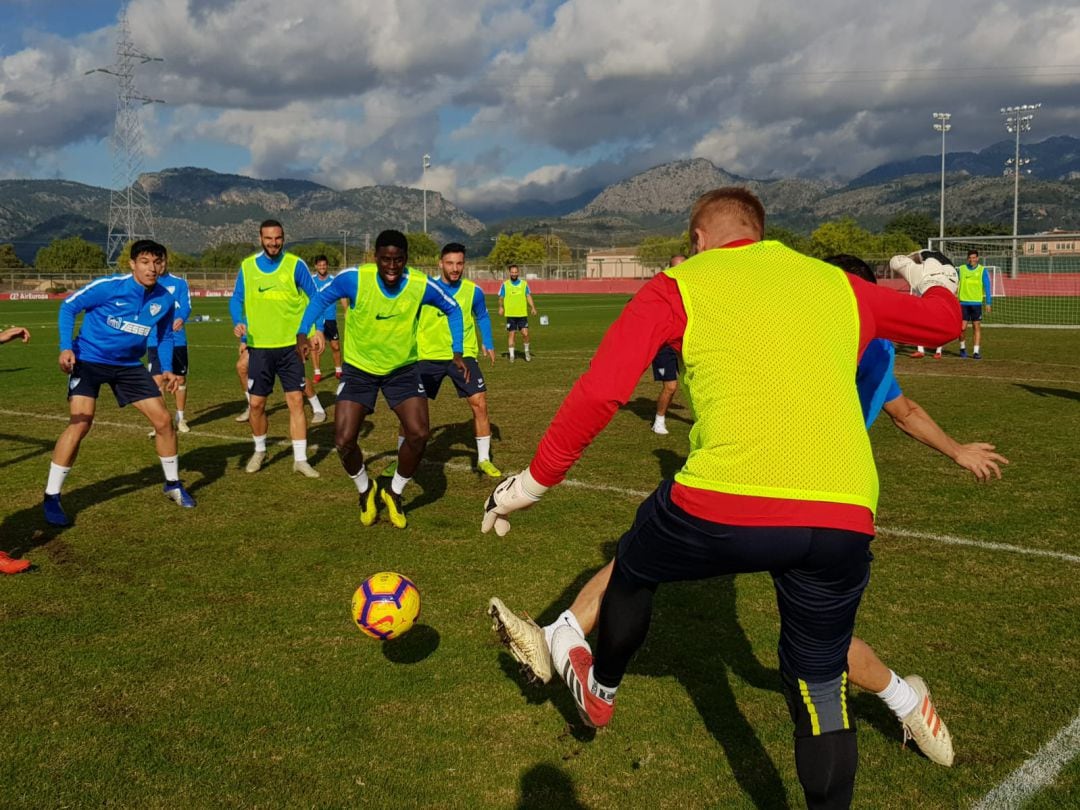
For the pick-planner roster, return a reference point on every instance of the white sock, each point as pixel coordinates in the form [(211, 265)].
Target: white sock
[(962, 345), (483, 448), (318, 372), (398, 483), (660, 419), (315, 404), (57, 474), (899, 696), (526, 349), (337, 369), (179, 416), (247, 396), (361, 480), (260, 443), (938, 349), (400, 441), (605, 693), (567, 617), (920, 348), (563, 639), (299, 449), (511, 352), (171, 466), (976, 348)]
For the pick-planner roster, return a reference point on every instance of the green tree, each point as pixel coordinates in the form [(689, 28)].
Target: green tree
[(309, 250), (917, 226), (841, 236), (514, 249), (786, 236), (72, 253), (556, 251), (8, 259), (227, 256), (423, 250), (656, 251)]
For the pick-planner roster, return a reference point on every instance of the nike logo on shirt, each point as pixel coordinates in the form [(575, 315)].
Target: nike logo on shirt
[(384, 317)]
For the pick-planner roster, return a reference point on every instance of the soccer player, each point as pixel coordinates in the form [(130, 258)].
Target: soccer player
[(120, 313), (271, 291), (436, 352), (181, 292), (9, 565), (665, 369), (327, 323), (877, 388), (514, 297), (974, 290), (759, 491), (384, 303)]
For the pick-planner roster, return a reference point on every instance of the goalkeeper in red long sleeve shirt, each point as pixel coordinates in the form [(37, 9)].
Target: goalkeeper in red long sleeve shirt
[(780, 476)]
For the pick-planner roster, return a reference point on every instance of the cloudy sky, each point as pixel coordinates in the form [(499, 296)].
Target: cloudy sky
[(518, 99)]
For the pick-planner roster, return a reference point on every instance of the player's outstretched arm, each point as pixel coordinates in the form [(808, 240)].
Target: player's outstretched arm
[(15, 333), (978, 458)]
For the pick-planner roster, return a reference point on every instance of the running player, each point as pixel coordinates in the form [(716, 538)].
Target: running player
[(515, 302), (665, 369), (8, 564), (878, 389), (271, 291), (121, 311), (327, 323), (436, 353), (182, 293), (759, 491), (384, 302)]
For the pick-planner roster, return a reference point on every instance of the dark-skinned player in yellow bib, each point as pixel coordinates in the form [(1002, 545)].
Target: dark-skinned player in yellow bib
[(379, 348)]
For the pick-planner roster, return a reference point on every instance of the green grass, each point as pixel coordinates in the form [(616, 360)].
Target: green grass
[(159, 657)]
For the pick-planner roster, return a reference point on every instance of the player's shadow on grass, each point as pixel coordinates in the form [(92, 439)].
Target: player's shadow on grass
[(544, 787), (225, 411), (449, 443), (17, 368), (645, 409), (26, 529), (39, 447), (413, 647), (1040, 391)]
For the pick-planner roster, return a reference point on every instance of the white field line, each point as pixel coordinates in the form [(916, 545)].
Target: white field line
[(1037, 772), (460, 466)]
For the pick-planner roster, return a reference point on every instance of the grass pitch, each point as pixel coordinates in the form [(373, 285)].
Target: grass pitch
[(159, 657)]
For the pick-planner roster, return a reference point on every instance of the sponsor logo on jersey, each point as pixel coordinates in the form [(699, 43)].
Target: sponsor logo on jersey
[(130, 327), (264, 289), (381, 317)]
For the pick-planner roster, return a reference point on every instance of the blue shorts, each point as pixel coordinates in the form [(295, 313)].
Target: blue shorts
[(433, 372), (971, 312), (179, 361), (363, 388), (665, 366), (819, 574), (265, 364), (128, 383), (516, 324), (330, 330)]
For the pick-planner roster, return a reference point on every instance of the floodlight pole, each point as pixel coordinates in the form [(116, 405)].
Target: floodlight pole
[(942, 125), (1017, 120), (344, 248), (423, 182)]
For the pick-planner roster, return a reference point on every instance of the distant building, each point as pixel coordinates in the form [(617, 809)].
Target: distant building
[(615, 263), (1053, 243)]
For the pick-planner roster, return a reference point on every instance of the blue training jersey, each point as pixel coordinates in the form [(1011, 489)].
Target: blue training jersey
[(874, 378), (330, 313), (182, 293), (120, 316)]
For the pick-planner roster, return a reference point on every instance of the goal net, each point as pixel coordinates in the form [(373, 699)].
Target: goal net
[(1037, 284)]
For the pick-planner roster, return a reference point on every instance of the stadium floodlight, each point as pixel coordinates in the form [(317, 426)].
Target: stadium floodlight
[(423, 183), (942, 125), (1017, 120), (344, 248)]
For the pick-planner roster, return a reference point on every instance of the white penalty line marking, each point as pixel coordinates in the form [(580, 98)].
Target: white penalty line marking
[(1036, 773), (457, 466)]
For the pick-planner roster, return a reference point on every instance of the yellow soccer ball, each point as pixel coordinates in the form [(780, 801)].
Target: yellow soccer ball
[(386, 605)]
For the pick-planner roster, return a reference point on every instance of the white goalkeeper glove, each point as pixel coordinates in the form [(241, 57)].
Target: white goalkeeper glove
[(515, 493), (923, 272)]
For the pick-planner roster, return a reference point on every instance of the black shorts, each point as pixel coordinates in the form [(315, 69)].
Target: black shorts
[(516, 324), (363, 388), (330, 330), (819, 574), (179, 361), (432, 373), (665, 366), (128, 383), (265, 364), (971, 312)]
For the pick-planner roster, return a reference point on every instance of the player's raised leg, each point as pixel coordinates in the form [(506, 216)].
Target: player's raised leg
[(348, 417), (413, 413), (165, 441)]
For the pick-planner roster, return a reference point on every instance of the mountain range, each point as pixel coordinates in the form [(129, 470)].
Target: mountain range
[(195, 208)]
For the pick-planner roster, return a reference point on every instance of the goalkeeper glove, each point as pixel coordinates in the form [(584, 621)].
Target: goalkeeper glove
[(515, 493), (926, 273)]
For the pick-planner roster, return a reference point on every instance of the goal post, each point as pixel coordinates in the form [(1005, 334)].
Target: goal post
[(1034, 280)]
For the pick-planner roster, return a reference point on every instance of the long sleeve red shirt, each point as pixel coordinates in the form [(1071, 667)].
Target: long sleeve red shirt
[(655, 317)]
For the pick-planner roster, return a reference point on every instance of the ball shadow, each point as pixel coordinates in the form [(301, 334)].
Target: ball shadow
[(413, 647)]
